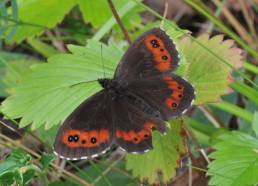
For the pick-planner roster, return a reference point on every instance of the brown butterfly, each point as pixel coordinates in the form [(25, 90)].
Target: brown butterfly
[(141, 96)]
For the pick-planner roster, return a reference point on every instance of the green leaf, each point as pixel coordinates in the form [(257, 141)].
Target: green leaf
[(236, 161), (5, 58), (234, 109), (98, 12), (255, 123), (203, 128), (43, 48), (7, 165), (61, 84), (251, 67), (3, 93), (35, 16), (246, 90), (208, 74), (15, 71), (163, 157), (46, 159)]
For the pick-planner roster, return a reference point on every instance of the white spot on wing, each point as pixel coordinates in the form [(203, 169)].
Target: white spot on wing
[(56, 153), (94, 155), (184, 111), (192, 102), (84, 157), (135, 152), (122, 149), (147, 150)]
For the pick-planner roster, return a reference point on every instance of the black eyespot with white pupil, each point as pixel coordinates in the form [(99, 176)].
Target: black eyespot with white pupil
[(154, 41), (93, 140), (155, 45), (70, 138), (76, 138)]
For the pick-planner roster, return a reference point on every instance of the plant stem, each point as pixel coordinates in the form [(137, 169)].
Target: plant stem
[(119, 22), (235, 23)]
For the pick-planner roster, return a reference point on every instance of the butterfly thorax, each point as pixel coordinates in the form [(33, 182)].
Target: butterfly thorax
[(113, 87)]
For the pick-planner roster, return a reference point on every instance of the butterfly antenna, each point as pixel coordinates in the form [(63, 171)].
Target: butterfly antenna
[(164, 14), (82, 82), (103, 65)]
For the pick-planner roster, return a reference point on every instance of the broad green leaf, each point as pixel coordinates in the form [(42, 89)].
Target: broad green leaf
[(236, 161), (97, 12), (39, 15), (162, 158), (208, 74), (13, 77), (6, 58), (52, 91)]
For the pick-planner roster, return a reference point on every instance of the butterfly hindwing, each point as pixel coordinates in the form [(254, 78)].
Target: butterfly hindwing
[(170, 94), (153, 53), (88, 131), (133, 127)]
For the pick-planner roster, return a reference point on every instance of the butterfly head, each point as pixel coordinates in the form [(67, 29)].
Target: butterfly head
[(105, 83)]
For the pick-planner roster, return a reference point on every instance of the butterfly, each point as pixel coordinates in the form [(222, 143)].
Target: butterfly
[(142, 95)]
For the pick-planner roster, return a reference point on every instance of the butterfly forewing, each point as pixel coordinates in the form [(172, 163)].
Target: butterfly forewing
[(152, 54)]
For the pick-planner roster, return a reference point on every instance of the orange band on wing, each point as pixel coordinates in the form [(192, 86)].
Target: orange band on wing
[(161, 55), (76, 138), (136, 137), (174, 99)]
